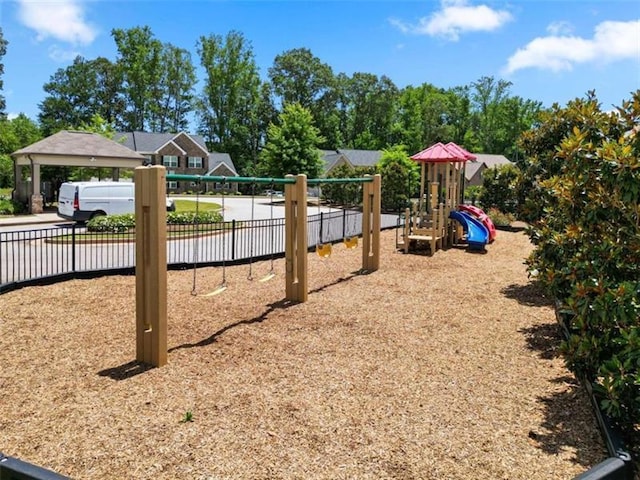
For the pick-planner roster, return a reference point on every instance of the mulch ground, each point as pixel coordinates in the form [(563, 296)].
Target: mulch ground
[(435, 367)]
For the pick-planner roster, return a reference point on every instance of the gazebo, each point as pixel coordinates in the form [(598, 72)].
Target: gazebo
[(442, 168), (69, 149)]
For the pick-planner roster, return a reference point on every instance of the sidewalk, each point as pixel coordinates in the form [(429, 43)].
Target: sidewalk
[(36, 219)]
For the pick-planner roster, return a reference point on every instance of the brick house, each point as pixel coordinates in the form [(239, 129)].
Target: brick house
[(181, 153)]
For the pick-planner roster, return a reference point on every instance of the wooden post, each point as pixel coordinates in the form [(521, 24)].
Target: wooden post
[(151, 265), (454, 200), (296, 239), (371, 214), (423, 169), (447, 203), (407, 228)]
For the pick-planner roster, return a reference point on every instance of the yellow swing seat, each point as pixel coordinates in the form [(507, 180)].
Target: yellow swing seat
[(323, 250), (350, 242), (217, 291), (267, 277)]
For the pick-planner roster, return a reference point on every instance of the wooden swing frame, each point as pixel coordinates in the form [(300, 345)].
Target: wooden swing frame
[(151, 247)]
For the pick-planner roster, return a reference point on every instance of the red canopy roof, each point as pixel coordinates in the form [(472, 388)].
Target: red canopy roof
[(442, 153), (460, 150)]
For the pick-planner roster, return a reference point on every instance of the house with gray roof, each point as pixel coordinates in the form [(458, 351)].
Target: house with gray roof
[(221, 165), (351, 157), (181, 153), (474, 169)]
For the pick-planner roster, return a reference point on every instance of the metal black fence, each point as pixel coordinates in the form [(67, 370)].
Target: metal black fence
[(16, 469), (54, 254)]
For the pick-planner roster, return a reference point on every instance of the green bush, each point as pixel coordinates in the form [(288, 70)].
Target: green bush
[(112, 223), (345, 193), (181, 218), (472, 193), (587, 241), (500, 219), (11, 207), (125, 222), (499, 188), (400, 178)]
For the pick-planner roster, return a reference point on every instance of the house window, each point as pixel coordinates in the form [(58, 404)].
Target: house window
[(170, 161), (172, 185), (194, 162)]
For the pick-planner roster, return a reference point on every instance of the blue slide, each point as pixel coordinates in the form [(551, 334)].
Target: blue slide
[(477, 233)]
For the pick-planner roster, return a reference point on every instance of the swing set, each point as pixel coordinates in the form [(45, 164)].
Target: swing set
[(151, 245), (324, 249), (195, 245)]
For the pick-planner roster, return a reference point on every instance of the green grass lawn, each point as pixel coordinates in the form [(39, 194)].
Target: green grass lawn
[(190, 206)]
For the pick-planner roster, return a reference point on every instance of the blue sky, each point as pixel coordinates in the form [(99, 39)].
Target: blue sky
[(551, 50)]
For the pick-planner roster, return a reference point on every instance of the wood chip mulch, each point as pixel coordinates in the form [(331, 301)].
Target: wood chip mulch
[(442, 367)]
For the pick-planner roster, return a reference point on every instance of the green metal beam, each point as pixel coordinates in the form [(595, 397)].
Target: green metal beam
[(211, 178), (267, 181)]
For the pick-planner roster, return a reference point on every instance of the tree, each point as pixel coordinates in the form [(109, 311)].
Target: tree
[(487, 96), (3, 51), (421, 117), (400, 178), (8, 144), (370, 109), (78, 92), (14, 135), (140, 64), (518, 116), (292, 145), (297, 76), (228, 105), (175, 92), (459, 115)]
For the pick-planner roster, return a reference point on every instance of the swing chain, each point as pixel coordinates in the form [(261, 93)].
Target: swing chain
[(224, 240), (252, 232), (271, 227), (194, 292)]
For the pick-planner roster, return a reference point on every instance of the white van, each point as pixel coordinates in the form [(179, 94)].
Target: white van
[(81, 201)]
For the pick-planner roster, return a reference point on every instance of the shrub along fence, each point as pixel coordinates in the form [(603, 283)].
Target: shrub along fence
[(583, 197), (32, 257)]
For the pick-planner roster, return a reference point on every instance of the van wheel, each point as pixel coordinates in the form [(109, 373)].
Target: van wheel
[(99, 213)]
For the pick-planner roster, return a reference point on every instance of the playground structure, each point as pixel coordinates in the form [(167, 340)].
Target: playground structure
[(151, 245), (440, 201)]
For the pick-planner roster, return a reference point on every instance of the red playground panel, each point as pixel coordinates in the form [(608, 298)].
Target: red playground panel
[(483, 217)]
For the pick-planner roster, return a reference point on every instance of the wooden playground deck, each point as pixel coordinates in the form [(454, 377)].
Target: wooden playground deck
[(438, 367)]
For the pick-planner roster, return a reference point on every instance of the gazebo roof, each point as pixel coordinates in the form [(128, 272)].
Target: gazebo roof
[(440, 153), (79, 144)]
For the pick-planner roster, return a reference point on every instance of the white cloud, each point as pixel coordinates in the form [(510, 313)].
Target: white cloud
[(560, 28), (400, 25), (60, 55), (455, 18), (11, 116), (611, 41), (62, 20)]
